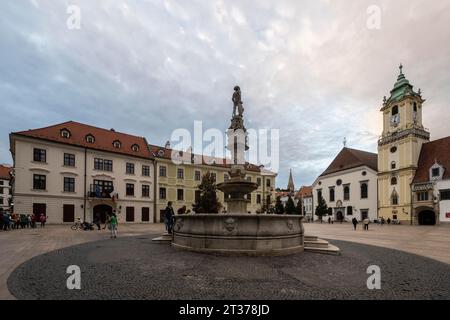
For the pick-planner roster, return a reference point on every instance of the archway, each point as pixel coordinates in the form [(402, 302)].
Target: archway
[(101, 211), (427, 218)]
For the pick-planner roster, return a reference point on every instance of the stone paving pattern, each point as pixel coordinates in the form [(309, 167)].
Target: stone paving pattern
[(135, 268)]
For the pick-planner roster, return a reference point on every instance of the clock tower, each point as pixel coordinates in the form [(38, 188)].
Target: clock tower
[(399, 148)]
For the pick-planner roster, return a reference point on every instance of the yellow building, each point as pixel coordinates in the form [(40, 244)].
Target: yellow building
[(179, 183), (399, 149)]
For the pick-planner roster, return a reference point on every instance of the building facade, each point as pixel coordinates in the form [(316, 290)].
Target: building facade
[(72, 170), (431, 184), (178, 183), (349, 186), (305, 195), (5, 187)]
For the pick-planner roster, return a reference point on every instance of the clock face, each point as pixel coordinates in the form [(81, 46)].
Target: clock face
[(395, 119)]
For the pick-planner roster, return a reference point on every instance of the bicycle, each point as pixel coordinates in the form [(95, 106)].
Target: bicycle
[(77, 225)]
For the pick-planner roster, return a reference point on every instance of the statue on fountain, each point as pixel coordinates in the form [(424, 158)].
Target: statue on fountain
[(237, 101)]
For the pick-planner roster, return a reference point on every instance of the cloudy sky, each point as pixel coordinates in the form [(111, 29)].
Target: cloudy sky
[(312, 69)]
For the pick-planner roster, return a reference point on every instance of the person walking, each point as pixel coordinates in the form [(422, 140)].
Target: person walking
[(355, 223), (366, 224), (113, 223), (43, 220), (168, 217)]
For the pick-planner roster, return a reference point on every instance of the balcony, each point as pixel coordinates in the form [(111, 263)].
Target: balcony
[(100, 192)]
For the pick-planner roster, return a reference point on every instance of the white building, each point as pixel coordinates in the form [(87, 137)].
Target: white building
[(73, 170), (349, 186), (431, 184), (5, 187)]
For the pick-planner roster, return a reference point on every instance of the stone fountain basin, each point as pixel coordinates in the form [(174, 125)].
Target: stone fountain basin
[(243, 187), (239, 234)]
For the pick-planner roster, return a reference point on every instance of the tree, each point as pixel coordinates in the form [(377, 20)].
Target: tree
[(290, 206), (207, 201), (279, 208), (322, 208), (299, 207)]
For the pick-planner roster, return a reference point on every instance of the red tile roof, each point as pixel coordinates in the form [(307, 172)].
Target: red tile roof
[(431, 152), (304, 192), (104, 138), (4, 172), (352, 158), (166, 153)]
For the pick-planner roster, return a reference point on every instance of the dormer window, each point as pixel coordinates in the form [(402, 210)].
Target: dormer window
[(135, 148), (117, 144), (436, 172), (65, 133), (90, 138), (161, 153)]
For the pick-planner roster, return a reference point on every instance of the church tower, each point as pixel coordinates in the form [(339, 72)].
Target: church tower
[(399, 148), (290, 186)]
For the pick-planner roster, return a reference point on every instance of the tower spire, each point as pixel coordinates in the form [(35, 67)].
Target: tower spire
[(291, 186)]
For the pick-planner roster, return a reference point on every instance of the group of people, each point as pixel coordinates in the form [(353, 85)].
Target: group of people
[(11, 221), (365, 221)]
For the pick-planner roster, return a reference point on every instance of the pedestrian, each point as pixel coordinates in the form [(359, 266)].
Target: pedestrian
[(329, 220), (168, 217), (107, 222), (366, 224), (29, 220), (33, 221), (43, 220), (113, 224), (355, 223), (389, 220)]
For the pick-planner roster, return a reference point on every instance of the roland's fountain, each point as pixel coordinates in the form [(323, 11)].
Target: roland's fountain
[(237, 231)]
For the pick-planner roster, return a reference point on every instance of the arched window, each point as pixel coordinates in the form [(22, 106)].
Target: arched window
[(65, 133), (135, 148), (394, 198), (394, 110), (117, 144), (364, 191), (393, 181), (331, 194), (90, 138), (393, 165), (347, 193)]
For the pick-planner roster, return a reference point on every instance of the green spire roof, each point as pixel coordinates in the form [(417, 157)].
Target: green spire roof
[(402, 88)]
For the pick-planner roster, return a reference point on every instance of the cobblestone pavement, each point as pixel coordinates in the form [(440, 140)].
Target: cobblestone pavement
[(136, 268)]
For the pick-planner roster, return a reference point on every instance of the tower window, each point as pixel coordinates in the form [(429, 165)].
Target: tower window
[(394, 181), (394, 198), (393, 149), (393, 165), (415, 107), (395, 110)]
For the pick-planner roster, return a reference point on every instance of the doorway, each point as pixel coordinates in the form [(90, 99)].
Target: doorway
[(427, 218), (101, 211)]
